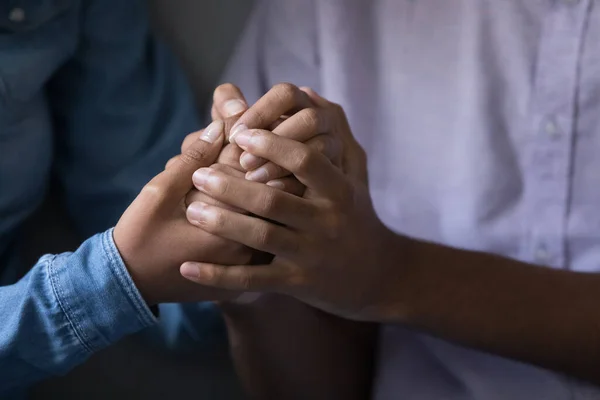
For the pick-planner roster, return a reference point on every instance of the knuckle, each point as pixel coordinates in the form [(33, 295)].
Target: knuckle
[(263, 235), (194, 155), (338, 109), (309, 117), (320, 144), (187, 141), (245, 280), (214, 275), (274, 171), (285, 90), (303, 158), (171, 161), (257, 116), (270, 202), (332, 218), (153, 193), (218, 220), (218, 184)]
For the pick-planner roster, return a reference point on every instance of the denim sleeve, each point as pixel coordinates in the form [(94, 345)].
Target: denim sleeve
[(122, 107), (65, 309)]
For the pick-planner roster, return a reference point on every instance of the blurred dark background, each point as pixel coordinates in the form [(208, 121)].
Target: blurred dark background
[(202, 33)]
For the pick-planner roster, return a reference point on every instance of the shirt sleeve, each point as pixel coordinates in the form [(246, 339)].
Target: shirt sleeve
[(66, 308), (122, 107)]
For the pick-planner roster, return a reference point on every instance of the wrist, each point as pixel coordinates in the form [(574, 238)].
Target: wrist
[(403, 257)]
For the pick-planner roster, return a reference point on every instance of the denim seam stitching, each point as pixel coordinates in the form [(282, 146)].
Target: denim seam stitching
[(115, 260), (65, 308)]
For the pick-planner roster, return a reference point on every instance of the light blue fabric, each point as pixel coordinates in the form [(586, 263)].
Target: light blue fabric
[(88, 94), (481, 121)]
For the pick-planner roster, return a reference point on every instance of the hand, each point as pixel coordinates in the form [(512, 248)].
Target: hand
[(154, 237), (228, 105), (312, 123), (312, 114), (330, 248)]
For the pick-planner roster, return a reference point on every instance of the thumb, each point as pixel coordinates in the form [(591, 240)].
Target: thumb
[(224, 125), (176, 181)]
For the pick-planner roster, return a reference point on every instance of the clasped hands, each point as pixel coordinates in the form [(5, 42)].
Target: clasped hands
[(291, 183)]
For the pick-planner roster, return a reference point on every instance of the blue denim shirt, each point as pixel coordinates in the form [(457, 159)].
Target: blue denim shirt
[(85, 93)]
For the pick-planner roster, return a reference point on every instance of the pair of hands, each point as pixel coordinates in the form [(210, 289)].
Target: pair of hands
[(329, 246)]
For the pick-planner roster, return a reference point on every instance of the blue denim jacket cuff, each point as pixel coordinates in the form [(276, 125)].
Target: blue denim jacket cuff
[(97, 295)]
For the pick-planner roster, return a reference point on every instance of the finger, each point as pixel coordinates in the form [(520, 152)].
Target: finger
[(228, 101), (354, 159), (282, 99), (315, 97), (257, 198), (311, 168), (171, 161), (255, 278), (215, 126), (228, 170), (171, 185), (230, 156), (254, 162), (196, 195), (247, 230), (302, 126), (214, 114), (289, 185), (327, 145)]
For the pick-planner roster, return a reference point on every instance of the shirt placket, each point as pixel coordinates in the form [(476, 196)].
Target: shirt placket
[(554, 110)]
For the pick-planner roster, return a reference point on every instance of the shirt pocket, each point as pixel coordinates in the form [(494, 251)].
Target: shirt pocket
[(18, 16)]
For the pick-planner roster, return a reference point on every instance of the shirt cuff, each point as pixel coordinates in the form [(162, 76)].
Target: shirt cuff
[(97, 295)]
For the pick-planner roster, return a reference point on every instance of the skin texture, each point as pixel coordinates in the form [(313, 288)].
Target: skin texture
[(283, 348), (154, 238), (333, 253)]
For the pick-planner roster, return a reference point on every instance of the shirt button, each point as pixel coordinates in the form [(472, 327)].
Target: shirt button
[(541, 255), (551, 128), (17, 15)]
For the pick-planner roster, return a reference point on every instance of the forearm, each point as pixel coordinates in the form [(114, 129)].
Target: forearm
[(532, 314), (285, 349)]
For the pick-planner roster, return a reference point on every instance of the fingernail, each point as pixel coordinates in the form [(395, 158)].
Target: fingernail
[(233, 107), (196, 211), (212, 131), (242, 139), (200, 176), (276, 184), (190, 270), (250, 161), (258, 175), (235, 131)]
